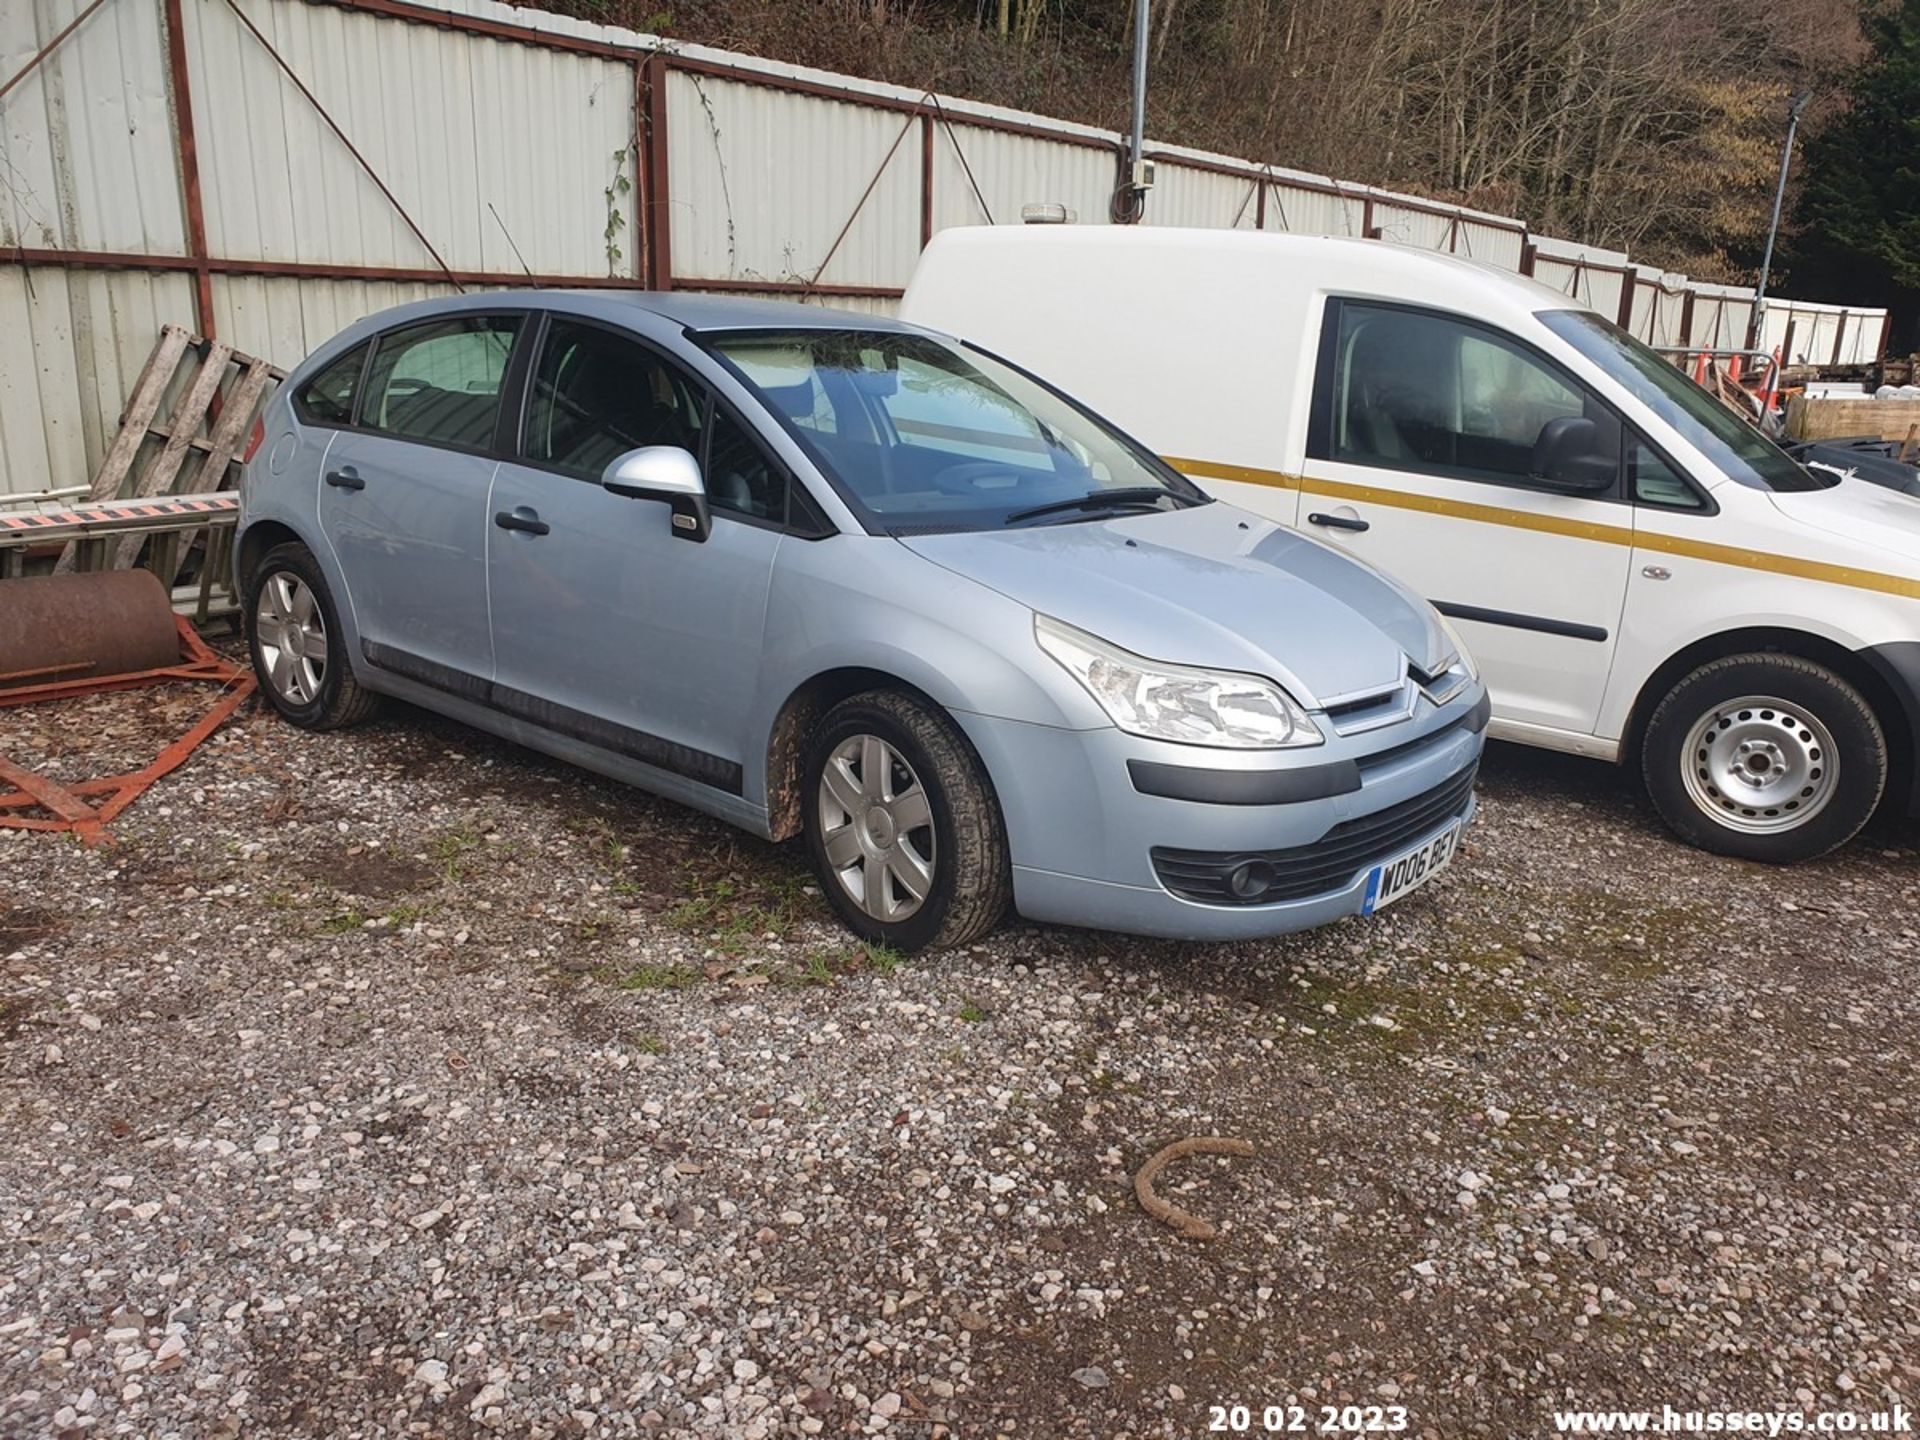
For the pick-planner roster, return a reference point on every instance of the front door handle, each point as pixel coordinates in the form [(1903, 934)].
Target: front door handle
[(521, 519), (1336, 522), (346, 478)]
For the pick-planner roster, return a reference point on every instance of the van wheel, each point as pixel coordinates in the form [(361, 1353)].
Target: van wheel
[(299, 653), (1767, 757), (902, 824)]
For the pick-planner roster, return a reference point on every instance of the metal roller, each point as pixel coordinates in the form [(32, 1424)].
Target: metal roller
[(77, 627)]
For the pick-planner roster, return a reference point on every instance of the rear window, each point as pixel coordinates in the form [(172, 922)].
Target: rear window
[(440, 381), (327, 399)]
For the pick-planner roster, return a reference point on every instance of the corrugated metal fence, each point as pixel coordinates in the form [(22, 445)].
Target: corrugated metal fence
[(268, 170)]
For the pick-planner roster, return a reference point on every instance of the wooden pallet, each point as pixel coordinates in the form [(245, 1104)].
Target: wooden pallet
[(219, 392)]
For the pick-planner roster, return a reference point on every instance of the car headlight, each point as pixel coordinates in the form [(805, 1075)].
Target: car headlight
[(1171, 702), (1461, 654)]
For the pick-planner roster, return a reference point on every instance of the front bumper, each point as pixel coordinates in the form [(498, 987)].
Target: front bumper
[(1084, 836)]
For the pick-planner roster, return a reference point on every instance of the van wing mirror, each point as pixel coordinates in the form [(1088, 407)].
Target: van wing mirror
[(668, 473), (1569, 455)]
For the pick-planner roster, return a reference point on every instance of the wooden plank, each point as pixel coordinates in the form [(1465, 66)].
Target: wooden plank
[(148, 391), (1827, 418), (187, 416), (236, 420)]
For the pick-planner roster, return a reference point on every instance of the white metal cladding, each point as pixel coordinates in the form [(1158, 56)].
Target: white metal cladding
[(1313, 212), (762, 182), (87, 156), (72, 343), (285, 320), (1015, 170), (501, 153), (1491, 244), (504, 153), (1410, 227), (1187, 195)]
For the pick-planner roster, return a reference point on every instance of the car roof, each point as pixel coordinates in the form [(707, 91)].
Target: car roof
[(692, 309)]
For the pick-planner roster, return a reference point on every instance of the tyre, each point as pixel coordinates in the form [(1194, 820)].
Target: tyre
[(299, 650), (1766, 757), (902, 824)]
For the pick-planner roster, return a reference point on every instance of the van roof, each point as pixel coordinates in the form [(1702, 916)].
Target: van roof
[(1320, 259)]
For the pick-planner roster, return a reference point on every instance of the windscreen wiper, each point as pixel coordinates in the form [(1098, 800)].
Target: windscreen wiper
[(1117, 498)]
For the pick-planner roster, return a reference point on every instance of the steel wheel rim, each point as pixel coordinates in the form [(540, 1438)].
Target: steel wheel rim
[(876, 827), (1760, 765), (292, 638)]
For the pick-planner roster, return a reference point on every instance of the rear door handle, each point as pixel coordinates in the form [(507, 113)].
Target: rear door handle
[(346, 478), (1336, 522), (521, 519)]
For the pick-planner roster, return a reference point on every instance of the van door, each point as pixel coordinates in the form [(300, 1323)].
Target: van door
[(1419, 460), (403, 498)]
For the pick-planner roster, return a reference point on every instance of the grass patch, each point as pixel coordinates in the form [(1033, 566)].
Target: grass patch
[(451, 847), (971, 1013), (652, 977)]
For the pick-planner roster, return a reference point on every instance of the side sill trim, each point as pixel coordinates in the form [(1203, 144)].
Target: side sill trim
[(714, 770)]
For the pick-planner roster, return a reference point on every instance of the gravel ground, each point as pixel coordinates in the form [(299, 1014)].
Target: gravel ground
[(400, 1082)]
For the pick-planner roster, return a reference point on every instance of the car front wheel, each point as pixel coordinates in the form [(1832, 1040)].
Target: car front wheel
[(299, 652), (902, 824), (1766, 757)]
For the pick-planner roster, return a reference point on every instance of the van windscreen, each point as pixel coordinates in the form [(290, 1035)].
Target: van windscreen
[(1738, 450)]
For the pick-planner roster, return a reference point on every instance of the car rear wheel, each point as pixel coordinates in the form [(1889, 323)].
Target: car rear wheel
[(902, 824), (299, 653), (1766, 757)]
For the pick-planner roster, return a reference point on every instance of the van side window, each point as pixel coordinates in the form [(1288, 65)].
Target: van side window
[(327, 399), (597, 395), (440, 381), (1651, 481), (1421, 392)]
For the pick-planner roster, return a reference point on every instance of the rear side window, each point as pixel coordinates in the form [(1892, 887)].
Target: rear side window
[(597, 395), (327, 399), (1422, 392), (440, 380)]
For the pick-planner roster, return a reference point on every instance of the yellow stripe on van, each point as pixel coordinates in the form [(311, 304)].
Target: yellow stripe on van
[(1654, 540), (1245, 474)]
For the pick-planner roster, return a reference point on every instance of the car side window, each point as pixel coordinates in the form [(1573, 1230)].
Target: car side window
[(327, 399), (739, 476), (1422, 392), (597, 395), (440, 381), (1652, 481)]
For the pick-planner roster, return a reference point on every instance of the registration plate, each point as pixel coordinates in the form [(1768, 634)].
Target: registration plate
[(1406, 873)]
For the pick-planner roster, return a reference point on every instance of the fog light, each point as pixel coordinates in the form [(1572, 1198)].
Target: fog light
[(1250, 880)]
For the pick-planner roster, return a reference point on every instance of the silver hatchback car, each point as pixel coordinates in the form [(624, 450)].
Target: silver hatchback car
[(824, 574)]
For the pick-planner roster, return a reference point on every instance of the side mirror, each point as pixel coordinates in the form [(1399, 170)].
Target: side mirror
[(1569, 456), (663, 472)]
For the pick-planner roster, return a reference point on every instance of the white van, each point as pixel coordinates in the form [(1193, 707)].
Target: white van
[(1642, 576)]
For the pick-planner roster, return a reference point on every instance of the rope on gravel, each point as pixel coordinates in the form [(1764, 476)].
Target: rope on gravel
[(1190, 1226)]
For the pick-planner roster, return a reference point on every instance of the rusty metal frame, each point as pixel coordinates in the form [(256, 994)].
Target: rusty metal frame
[(76, 807)]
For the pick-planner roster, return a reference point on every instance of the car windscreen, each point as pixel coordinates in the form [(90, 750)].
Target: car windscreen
[(1738, 450), (920, 436)]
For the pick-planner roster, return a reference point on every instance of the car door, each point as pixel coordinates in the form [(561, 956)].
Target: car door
[(606, 625), (1418, 460), (403, 497)]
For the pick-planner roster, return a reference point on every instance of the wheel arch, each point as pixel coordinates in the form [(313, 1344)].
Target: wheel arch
[(786, 743), (1899, 717), (255, 542)]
